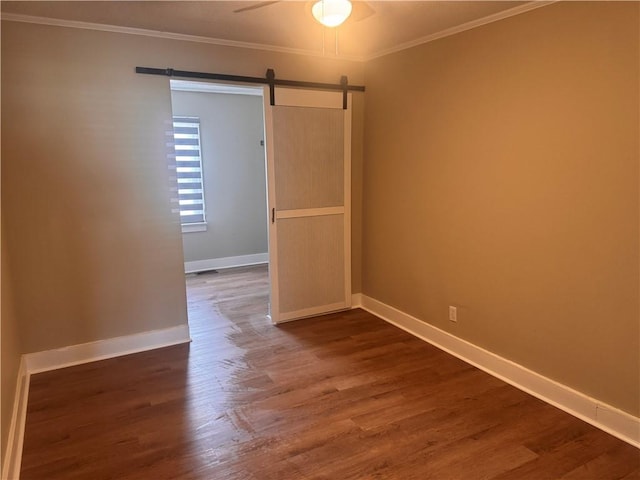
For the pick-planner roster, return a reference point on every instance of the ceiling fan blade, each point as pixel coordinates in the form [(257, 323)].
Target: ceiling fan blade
[(255, 6), (361, 10)]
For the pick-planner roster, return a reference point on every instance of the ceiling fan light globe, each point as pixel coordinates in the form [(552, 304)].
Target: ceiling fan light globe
[(331, 13)]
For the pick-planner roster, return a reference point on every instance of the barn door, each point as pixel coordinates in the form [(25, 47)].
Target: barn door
[(309, 183)]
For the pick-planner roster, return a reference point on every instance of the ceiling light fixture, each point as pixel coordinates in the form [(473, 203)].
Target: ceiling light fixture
[(331, 13)]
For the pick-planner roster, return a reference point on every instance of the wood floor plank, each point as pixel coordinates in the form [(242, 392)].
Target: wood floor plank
[(343, 396), (617, 462)]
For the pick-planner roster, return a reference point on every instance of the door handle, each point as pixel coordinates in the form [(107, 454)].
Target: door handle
[(273, 215)]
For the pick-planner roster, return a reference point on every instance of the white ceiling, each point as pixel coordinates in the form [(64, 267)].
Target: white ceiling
[(375, 27)]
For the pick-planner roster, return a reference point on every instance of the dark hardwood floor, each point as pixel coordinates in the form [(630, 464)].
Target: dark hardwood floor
[(344, 396)]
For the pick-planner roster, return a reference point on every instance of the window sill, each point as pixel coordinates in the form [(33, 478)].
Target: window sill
[(194, 227)]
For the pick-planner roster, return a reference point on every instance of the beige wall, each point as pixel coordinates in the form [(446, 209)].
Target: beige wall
[(233, 164), (11, 351), (501, 176), (84, 187), (84, 176)]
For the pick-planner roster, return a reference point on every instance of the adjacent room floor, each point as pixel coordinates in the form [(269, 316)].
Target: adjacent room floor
[(344, 396)]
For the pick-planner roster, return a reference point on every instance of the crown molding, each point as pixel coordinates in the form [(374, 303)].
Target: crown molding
[(12, 17), (57, 22), (511, 12)]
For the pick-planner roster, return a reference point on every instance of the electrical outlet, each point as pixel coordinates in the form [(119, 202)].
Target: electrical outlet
[(453, 314)]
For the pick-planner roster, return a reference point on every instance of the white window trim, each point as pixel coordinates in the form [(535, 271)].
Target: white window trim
[(194, 227)]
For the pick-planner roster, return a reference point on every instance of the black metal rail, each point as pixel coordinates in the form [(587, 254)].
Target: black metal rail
[(269, 79)]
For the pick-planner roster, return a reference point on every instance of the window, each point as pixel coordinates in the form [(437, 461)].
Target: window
[(186, 134)]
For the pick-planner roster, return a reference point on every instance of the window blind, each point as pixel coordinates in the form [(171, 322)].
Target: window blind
[(186, 134)]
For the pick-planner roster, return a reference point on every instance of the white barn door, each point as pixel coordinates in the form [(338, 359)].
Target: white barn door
[(308, 137)]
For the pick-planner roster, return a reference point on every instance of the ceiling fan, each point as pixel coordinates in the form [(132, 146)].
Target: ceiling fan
[(359, 10)]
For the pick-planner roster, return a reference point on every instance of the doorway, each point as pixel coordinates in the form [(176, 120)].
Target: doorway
[(307, 135), (221, 186)]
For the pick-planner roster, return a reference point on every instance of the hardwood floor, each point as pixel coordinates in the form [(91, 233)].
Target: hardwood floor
[(344, 396)]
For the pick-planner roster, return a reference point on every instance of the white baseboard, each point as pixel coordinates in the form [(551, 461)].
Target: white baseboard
[(225, 262), (13, 455), (103, 349), (605, 417)]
